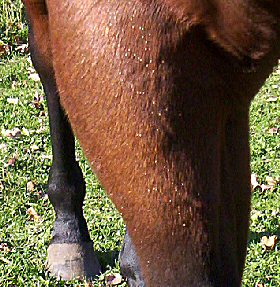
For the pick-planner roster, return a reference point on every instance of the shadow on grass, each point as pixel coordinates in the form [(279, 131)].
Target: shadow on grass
[(107, 258)]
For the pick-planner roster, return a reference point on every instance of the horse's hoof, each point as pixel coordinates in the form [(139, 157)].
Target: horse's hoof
[(67, 261)]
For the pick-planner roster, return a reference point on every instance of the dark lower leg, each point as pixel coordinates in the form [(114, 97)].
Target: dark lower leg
[(71, 252), (235, 196), (129, 263), (66, 184), (237, 131), (66, 189)]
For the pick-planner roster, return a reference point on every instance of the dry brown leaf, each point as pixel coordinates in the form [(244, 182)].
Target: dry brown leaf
[(23, 48), (30, 186), (14, 133), (269, 242), (271, 181), (38, 101), (273, 131), (113, 279), (4, 49), (4, 247), (33, 215), (12, 161), (20, 26)]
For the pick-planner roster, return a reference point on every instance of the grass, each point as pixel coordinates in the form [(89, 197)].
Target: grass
[(23, 264), (264, 267), (13, 28), (27, 158)]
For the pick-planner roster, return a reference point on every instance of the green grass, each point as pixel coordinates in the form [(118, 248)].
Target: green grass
[(13, 28), (262, 266), (23, 263)]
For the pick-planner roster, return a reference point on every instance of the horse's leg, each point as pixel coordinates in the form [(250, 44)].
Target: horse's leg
[(129, 263), (70, 253), (235, 184)]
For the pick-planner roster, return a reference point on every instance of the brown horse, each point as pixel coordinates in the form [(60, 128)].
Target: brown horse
[(158, 94)]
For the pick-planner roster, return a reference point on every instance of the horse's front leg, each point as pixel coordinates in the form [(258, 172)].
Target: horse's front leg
[(70, 253)]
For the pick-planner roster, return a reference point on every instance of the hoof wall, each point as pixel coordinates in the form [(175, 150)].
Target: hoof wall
[(73, 260)]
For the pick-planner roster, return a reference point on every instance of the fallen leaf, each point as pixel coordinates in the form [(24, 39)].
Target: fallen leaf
[(13, 101), (3, 147), (42, 113), (254, 181), (25, 132), (271, 181), (12, 161), (34, 77), (4, 49), (4, 247), (268, 243), (23, 48), (272, 99), (20, 26), (5, 260), (265, 187), (34, 147), (273, 131), (33, 215), (47, 157), (275, 212), (14, 133), (255, 215), (38, 101), (30, 186), (113, 279), (14, 85)]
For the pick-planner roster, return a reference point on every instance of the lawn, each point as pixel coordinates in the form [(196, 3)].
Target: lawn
[(26, 216)]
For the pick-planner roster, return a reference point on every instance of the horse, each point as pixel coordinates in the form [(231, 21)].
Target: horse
[(158, 94)]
